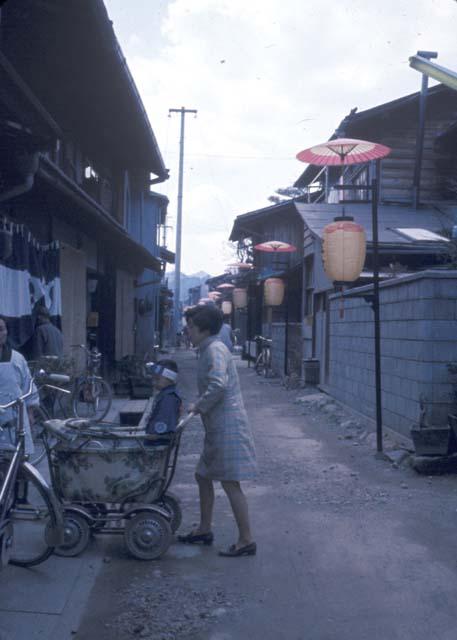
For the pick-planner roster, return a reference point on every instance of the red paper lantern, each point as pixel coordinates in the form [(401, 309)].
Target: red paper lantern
[(273, 292), (240, 298), (343, 250), (226, 307)]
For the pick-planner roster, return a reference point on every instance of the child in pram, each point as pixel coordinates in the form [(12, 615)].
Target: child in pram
[(167, 406)]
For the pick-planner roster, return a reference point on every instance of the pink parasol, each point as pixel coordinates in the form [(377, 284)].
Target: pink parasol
[(343, 151), (225, 285), (275, 246)]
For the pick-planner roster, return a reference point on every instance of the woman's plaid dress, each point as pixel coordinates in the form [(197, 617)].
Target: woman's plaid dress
[(228, 452)]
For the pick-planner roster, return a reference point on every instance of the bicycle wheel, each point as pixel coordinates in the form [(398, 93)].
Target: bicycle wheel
[(32, 517), (38, 434), (92, 399), (259, 365)]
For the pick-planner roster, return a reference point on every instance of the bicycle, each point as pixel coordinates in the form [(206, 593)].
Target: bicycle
[(262, 365), (31, 522), (40, 413), (92, 396)]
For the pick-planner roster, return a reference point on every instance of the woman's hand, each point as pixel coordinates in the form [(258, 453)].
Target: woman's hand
[(193, 408)]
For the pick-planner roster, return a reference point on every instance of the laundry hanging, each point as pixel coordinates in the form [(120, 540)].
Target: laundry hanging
[(29, 277)]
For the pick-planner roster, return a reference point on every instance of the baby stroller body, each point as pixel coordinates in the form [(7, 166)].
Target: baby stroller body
[(109, 481)]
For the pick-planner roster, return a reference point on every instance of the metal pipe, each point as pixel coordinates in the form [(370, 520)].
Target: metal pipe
[(30, 167), (433, 70), (376, 308), (286, 327), (420, 131)]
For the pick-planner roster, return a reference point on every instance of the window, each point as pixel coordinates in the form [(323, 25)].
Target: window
[(421, 234)]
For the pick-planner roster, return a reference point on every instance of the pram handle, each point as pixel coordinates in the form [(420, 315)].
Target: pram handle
[(184, 421)]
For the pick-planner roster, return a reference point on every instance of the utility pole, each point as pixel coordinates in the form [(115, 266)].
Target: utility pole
[(177, 292)]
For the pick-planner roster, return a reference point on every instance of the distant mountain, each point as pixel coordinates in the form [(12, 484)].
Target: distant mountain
[(187, 282)]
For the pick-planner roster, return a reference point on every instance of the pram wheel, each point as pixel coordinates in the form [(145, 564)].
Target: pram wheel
[(76, 535), (172, 505), (147, 535), (6, 541)]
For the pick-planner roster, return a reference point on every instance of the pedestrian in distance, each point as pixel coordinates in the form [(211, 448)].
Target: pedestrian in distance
[(226, 335), (47, 339), (228, 453)]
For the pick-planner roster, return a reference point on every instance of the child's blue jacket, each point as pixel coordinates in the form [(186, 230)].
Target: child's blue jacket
[(165, 411)]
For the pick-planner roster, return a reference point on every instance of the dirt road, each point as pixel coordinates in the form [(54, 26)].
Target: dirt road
[(349, 547)]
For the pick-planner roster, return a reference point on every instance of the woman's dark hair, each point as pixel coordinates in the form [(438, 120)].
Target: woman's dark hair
[(190, 312), (169, 364), (208, 318)]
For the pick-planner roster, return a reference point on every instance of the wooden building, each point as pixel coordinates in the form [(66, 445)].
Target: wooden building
[(77, 160), (406, 231), (395, 124)]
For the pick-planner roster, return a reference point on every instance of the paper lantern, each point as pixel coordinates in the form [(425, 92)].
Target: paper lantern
[(273, 291), (240, 298), (343, 250), (226, 307)]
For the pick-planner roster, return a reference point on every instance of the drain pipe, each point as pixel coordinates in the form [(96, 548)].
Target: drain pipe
[(27, 165), (420, 129)]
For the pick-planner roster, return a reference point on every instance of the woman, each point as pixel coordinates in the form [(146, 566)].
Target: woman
[(228, 454), (15, 381)]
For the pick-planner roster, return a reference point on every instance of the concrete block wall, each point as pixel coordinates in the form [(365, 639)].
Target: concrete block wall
[(418, 339)]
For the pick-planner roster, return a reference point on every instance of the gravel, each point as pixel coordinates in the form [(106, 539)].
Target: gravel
[(170, 607)]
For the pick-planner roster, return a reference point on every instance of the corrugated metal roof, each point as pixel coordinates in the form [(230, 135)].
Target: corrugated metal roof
[(317, 216), (241, 228)]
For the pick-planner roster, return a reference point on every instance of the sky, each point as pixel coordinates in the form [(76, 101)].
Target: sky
[(268, 78)]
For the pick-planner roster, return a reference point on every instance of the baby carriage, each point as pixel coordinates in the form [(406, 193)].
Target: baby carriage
[(109, 481)]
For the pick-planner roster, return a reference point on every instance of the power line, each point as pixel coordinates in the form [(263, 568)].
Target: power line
[(216, 155)]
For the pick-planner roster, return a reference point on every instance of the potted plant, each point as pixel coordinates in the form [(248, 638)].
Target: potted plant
[(452, 417), (430, 440)]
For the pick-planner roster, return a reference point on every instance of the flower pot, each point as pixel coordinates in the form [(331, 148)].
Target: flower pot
[(431, 441), (452, 422)]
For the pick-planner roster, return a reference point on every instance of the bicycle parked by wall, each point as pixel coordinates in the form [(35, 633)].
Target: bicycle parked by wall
[(52, 389), (31, 523), (92, 395), (262, 364)]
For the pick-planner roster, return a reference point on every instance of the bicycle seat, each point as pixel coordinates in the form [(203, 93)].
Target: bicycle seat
[(78, 423)]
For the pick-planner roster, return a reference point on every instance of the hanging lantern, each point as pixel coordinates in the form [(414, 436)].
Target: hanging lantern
[(343, 250), (273, 292), (240, 298), (226, 307)]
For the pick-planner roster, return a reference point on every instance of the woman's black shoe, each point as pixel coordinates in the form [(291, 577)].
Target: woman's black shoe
[(197, 538), (233, 552)]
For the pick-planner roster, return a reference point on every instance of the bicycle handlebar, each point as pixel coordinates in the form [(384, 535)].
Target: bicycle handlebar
[(20, 399), (58, 377)]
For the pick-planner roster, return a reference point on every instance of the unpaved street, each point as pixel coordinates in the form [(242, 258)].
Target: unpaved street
[(349, 546)]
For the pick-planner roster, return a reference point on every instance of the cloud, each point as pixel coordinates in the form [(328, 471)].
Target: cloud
[(284, 62)]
